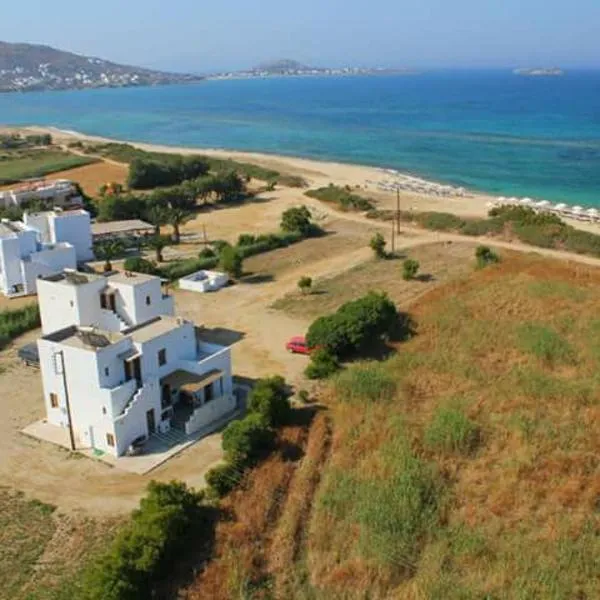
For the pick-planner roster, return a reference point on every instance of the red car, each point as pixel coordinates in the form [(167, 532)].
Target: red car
[(298, 345)]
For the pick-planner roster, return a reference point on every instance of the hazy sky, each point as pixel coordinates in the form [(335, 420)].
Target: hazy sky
[(209, 35)]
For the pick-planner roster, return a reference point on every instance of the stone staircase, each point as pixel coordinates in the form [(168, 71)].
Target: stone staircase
[(171, 438)]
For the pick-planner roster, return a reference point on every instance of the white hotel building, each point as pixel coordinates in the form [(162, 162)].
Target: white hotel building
[(40, 245), (116, 364)]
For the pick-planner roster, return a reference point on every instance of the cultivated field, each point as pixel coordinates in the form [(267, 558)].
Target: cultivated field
[(16, 166)]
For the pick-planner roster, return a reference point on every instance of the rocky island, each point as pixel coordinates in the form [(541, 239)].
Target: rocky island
[(30, 67)]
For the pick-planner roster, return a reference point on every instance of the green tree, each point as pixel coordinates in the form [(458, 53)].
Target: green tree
[(231, 262), (322, 364), (176, 217), (270, 399), (157, 243), (377, 244), (156, 213), (247, 440), (297, 219), (410, 268), (305, 284), (107, 251)]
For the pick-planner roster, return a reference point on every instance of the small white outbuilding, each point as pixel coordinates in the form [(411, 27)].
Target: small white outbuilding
[(204, 281)]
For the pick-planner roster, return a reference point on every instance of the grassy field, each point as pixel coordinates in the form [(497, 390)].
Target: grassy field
[(16, 166), (465, 466), (40, 550), (438, 263)]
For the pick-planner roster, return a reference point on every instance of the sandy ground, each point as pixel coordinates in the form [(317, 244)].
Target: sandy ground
[(91, 177)]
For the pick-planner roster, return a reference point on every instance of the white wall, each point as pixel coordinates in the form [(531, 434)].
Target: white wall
[(133, 298), (204, 281), (47, 262), (76, 229), (10, 263)]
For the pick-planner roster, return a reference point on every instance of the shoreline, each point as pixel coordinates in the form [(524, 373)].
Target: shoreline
[(418, 194), (317, 173)]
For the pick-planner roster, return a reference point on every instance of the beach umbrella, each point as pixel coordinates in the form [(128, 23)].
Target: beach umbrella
[(593, 213), (542, 204), (512, 201), (577, 209), (560, 207), (525, 201)]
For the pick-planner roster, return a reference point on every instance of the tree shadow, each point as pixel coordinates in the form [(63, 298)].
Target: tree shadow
[(425, 277)]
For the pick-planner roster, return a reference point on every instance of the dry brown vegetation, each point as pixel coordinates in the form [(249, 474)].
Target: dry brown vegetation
[(91, 177), (464, 466)]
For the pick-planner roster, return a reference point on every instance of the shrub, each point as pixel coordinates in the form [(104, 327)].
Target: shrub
[(377, 244), (369, 382), (140, 265), (480, 227), (303, 396), (169, 517), (13, 323), (305, 284), (270, 399), (246, 239), (322, 364), (206, 252), (181, 268), (231, 262), (452, 432), (297, 219), (223, 478), (341, 196), (410, 268), (484, 256), (247, 440), (266, 243), (355, 326), (439, 221)]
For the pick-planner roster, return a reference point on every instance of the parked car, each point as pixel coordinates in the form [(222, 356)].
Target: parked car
[(298, 345), (136, 447)]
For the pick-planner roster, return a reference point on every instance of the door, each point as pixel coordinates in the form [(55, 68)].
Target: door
[(150, 421), (112, 303), (209, 393), (165, 400)]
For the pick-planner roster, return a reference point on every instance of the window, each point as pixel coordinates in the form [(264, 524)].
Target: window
[(106, 371), (104, 410), (110, 439), (147, 300), (162, 357), (165, 415), (53, 400)]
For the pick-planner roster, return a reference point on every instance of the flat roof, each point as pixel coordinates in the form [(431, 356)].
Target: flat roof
[(129, 277), (154, 328), (73, 277), (129, 226)]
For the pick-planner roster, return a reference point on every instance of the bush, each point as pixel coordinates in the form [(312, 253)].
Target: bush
[(484, 256), (480, 227), (231, 262), (297, 219), (341, 196), (140, 265), (410, 268), (246, 239), (452, 432), (439, 221), (14, 323), (355, 326), (266, 243), (305, 284), (147, 173), (377, 244), (269, 398), (322, 364), (545, 343), (247, 440), (369, 382), (169, 517), (303, 396), (181, 268), (207, 252), (223, 478)]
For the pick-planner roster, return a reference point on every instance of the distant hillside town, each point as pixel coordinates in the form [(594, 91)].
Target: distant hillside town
[(29, 67), (292, 68)]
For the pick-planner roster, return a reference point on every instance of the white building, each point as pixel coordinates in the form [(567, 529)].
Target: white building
[(122, 368), (60, 193), (42, 244)]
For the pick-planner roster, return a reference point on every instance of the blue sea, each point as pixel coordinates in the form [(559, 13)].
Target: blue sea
[(490, 131)]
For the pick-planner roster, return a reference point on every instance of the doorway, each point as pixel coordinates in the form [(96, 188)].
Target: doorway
[(150, 421), (133, 370)]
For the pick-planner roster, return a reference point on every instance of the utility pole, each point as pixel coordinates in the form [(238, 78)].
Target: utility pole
[(398, 209), (393, 239), (67, 402)]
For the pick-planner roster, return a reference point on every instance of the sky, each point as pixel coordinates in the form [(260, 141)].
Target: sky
[(202, 36)]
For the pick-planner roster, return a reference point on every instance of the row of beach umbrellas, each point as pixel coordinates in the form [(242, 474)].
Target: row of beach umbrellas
[(575, 212)]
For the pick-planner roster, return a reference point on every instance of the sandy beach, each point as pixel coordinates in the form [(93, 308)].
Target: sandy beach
[(432, 196)]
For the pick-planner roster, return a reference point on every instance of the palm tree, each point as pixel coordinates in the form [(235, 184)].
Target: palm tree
[(177, 216), (108, 251)]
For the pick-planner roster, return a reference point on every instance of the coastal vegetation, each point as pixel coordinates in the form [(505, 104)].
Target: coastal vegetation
[(524, 224), (342, 197), (14, 323)]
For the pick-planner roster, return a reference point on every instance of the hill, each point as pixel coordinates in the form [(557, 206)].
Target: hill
[(28, 67), (282, 66)]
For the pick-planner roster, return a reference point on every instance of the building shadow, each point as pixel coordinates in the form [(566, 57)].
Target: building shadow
[(254, 278), (221, 336)]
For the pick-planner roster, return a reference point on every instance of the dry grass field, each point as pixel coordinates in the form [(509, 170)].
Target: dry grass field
[(91, 177), (465, 466)]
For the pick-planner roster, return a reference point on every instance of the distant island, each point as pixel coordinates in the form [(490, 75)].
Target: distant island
[(539, 72), (30, 67), (293, 68)]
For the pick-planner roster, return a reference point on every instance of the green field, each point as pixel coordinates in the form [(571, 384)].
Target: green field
[(16, 166)]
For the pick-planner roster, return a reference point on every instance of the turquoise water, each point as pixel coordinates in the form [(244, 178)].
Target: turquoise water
[(490, 131)]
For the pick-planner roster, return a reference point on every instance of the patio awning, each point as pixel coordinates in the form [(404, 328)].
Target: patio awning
[(190, 382)]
